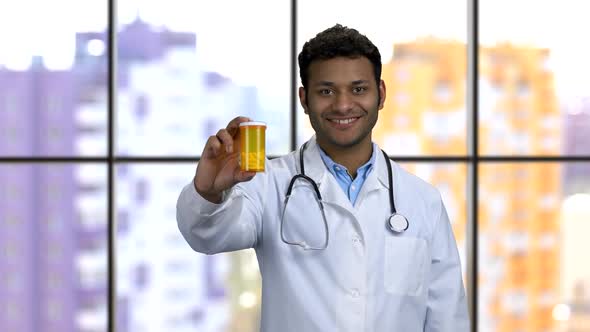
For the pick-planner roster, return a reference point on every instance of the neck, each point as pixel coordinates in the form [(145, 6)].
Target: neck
[(351, 157)]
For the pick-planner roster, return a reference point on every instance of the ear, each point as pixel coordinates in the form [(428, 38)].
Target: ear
[(382, 93), (303, 99)]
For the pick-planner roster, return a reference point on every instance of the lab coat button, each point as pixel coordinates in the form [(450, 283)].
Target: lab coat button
[(356, 239), (355, 293)]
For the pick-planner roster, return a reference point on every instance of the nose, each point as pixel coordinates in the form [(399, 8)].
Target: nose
[(343, 102)]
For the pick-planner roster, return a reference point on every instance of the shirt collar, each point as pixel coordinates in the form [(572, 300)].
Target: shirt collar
[(334, 167), (317, 170)]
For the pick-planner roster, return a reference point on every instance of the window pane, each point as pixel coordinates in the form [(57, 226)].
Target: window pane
[(424, 68), (533, 225), (162, 284), (53, 78), (534, 77), (187, 68), (53, 248), (451, 181)]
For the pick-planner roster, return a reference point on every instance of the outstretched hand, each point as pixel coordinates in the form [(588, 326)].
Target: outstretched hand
[(219, 167)]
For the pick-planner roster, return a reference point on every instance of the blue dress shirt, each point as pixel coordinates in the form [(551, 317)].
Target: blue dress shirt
[(351, 186)]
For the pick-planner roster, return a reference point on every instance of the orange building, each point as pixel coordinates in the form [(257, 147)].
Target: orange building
[(518, 210), (520, 116), (424, 114)]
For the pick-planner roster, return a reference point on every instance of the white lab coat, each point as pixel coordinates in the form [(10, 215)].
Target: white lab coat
[(368, 279)]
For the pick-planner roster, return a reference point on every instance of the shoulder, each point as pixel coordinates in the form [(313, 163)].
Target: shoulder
[(421, 199), (275, 169), (283, 163), (416, 188)]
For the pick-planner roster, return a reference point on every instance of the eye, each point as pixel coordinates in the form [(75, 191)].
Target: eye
[(326, 92), (359, 89)]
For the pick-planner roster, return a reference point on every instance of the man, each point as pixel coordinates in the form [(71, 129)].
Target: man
[(345, 265)]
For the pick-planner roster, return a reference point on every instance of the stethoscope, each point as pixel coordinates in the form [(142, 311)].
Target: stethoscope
[(396, 222)]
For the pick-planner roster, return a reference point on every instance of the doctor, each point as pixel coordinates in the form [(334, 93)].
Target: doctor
[(361, 244)]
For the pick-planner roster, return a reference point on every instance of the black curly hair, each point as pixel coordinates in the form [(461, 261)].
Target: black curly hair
[(335, 42)]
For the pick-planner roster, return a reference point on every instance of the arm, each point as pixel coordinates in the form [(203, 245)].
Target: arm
[(210, 228), (447, 305), (214, 213)]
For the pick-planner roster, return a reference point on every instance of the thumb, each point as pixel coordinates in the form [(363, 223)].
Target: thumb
[(243, 176)]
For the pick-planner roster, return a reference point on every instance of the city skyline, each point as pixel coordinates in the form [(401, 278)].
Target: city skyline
[(407, 22)]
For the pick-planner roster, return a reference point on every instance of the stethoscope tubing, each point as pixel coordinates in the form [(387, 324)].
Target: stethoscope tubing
[(315, 186), (392, 221)]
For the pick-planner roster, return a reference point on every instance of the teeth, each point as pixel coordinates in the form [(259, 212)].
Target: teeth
[(343, 121)]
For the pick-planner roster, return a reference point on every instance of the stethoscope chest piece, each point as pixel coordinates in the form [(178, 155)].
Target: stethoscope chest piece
[(398, 223)]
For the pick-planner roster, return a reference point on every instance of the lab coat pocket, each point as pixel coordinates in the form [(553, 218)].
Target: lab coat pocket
[(405, 265)]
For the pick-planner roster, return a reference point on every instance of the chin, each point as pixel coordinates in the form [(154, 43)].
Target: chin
[(344, 143)]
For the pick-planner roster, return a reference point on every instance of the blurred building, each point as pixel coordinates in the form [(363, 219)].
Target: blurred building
[(424, 112), (519, 202), (49, 230), (164, 91), (54, 267), (425, 115), (53, 242), (576, 138), (53, 246)]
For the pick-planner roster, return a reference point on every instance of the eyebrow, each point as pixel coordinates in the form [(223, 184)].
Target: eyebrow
[(329, 83)]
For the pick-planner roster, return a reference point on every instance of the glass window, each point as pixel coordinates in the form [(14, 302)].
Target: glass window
[(161, 282), (53, 254), (451, 181), (533, 224), (53, 78), (424, 68), (534, 78), (185, 69)]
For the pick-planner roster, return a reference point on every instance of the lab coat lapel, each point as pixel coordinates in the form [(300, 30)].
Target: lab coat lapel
[(377, 179), (328, 186)]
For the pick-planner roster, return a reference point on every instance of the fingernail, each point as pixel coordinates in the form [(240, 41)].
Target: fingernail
[(228, 148)]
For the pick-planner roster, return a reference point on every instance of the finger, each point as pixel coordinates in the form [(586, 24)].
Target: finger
[(233, 125), (212, 147), (226, 140)]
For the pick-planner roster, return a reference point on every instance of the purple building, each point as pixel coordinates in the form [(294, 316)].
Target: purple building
[(17, 119), (18, 273), (43, 235), (577, 137), (39, 238)]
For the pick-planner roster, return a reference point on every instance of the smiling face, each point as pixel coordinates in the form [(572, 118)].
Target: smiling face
[(343, 101)]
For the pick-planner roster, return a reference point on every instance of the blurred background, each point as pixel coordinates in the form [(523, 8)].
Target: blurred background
[(185, 68)]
